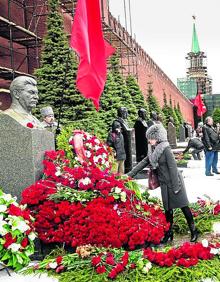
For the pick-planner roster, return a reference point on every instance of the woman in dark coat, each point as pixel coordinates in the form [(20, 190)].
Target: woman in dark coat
[(116, 141), (161, 158)]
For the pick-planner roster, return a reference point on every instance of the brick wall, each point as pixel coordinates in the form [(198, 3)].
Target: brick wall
[(147, 70)]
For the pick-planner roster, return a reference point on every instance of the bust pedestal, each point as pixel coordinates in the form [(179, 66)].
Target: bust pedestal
[(22, 151)]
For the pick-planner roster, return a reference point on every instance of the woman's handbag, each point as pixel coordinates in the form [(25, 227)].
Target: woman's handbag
[(153, 181)]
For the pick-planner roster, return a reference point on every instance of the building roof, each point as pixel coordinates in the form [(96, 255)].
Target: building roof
[(195, 42)]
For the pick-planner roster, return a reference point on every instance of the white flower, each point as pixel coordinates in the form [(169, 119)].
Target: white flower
[(88, 154), (214, 251), (96, 147), (107, 164), (205, 243), (123, 196), (3, 208), (3, 231), (32, 236), (95, 159), (147, 267), (14, 247), (117, 190), (53, 265), (104, 155), (58, 172), (7, 197), (216, 228), (85, 181), (18, 224), (97, 141)]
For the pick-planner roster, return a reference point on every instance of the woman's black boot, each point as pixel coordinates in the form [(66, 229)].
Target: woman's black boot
[(194, 232), (168, 237)]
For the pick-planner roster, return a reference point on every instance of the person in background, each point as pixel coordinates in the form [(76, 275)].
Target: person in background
[(48, 122), (161, 159), (211, 142), (199, 130), (196, 144), (116, 141)]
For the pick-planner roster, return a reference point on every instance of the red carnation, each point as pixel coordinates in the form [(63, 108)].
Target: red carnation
[(13, 210), (59, 259), (24, 242), (8, 240), (30, 125), (96, 260), (100, 269), (110, 259)]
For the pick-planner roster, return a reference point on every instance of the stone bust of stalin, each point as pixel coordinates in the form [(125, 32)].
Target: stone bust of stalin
[(24, 93)]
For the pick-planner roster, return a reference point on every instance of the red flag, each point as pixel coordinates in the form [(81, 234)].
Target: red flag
[(201, 108), (87, 40)]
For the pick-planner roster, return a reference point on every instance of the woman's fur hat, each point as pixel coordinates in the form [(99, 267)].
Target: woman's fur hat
[(157, 132)]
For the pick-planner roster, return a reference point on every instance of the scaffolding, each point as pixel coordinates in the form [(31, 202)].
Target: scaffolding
[(19, 51), (188, 87)]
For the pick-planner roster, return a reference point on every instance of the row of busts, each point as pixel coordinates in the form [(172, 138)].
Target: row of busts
[(140, 127)]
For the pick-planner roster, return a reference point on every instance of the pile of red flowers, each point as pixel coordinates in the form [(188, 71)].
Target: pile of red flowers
[(112, 262), (186, 255), (113, 216), (101, 222)]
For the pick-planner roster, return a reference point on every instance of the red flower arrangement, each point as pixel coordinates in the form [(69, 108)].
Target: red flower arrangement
[(186, 255), (112, 217)]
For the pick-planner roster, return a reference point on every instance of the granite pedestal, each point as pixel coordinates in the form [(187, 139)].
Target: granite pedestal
[(21, 154)]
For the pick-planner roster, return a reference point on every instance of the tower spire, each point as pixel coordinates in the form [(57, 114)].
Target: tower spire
[(195, 42)]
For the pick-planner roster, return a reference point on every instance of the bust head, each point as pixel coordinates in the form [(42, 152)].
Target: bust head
[(24, 93), (142, 113), (171, 119), (154, 116), (48, 115), (123, 112)]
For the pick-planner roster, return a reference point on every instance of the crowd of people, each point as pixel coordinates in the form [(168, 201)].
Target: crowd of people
[(207, 140)]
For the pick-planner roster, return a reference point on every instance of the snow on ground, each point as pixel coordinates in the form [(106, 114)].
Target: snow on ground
[(197, 183)]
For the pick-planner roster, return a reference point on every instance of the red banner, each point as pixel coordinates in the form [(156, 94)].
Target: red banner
[(87, 40)]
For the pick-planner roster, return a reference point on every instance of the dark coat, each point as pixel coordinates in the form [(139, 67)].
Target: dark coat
[(170, 180), (140, 139), (116, 141), (210, 138), (194, 143)]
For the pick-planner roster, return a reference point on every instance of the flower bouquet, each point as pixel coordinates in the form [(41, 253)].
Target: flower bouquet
[(16, 233)]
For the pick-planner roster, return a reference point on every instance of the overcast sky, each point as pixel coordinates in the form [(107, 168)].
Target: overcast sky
[(164, 29)]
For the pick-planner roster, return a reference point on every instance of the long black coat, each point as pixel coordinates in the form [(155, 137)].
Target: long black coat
[(170, 180), (117, 142), (210, 138)]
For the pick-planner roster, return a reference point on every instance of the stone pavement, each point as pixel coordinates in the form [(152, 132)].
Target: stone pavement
[(197, 185)]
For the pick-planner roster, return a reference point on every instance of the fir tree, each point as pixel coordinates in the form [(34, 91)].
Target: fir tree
[(216, 115), (173, 114), (122, 91), (136, 94), (57, 77), (109, 102), (153, 104), (179, 113), (167, 111)]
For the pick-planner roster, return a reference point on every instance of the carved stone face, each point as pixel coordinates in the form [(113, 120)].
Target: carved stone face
[(154, 115), (142, 114), (123, 112), (27, 97)]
